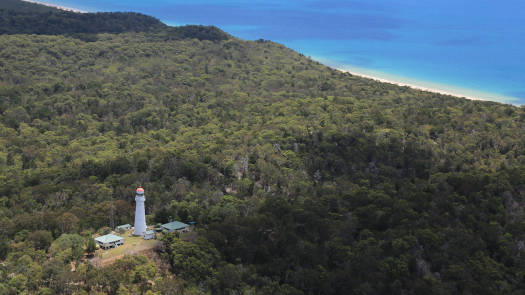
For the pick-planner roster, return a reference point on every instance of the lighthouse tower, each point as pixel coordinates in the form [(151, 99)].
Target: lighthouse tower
[(140, 216)]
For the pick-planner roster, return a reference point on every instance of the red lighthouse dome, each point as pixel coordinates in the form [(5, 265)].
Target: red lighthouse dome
[(140, 190)]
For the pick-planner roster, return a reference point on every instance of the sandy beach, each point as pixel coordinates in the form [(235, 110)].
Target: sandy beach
[(444, 89), (56, 6), (414, 86)]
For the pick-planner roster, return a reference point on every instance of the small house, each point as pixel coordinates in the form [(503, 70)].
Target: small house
[(149, 234), (176, 226), (124, 227), (109, 241)]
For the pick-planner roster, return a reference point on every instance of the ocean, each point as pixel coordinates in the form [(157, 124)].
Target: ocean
[(473, 48)]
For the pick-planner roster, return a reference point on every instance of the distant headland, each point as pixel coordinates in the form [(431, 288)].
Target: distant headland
[(56, 6)]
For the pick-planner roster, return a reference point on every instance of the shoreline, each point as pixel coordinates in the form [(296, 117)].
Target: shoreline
[(413, 86), (434, 87), (56, 6), (444, 89)]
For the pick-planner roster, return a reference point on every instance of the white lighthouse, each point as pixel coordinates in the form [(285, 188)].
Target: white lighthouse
[(140, 216)]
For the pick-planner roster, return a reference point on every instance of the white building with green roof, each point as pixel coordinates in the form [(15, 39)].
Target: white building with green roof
[(149, 234), (124, 227), (109, 241), (176, 226)]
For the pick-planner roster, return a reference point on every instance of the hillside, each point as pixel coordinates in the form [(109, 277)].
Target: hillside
[(18, 17), (18, 5), (23, 19), (301, 179)]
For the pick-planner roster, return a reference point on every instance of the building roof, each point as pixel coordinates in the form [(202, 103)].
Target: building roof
[(149, 232), (175, 225), (109, 238), (124, 225)]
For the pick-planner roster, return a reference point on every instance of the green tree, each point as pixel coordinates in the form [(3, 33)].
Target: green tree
[(41, 239), (4, 248), (91, 247), (67, 222), (194, 262), (73, 243)]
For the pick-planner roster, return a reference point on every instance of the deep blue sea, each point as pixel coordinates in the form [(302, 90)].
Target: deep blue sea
[(471, 47)]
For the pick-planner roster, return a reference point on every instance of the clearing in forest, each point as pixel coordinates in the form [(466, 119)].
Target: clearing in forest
[(132, 246)]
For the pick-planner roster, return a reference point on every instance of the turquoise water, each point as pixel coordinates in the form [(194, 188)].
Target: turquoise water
[(470, 47)]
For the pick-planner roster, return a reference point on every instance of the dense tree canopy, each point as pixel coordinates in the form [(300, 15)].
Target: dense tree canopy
[(19, 17), (19, 5), (301, 179)]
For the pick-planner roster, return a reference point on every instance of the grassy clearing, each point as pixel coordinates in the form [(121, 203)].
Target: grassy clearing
[(132, 246)]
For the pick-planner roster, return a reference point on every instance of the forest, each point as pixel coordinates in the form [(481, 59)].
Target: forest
[(18, 17), (301, 179)]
